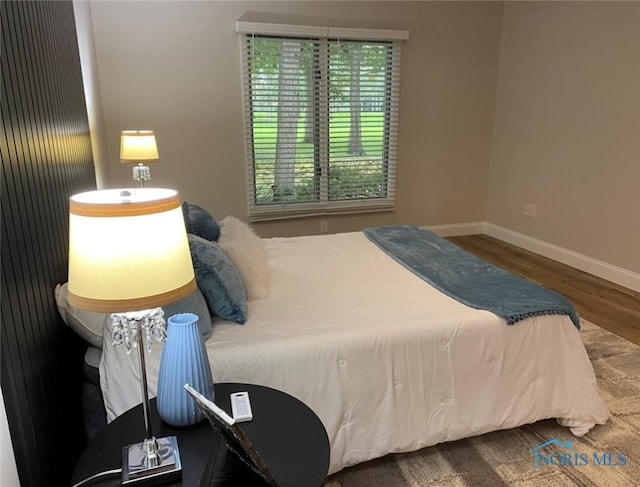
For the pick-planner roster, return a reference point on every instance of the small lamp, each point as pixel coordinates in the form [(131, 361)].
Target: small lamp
[(138, 147), (129, 255)]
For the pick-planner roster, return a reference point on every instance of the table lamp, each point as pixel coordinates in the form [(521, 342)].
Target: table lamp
[(138, 147), (129, 255)]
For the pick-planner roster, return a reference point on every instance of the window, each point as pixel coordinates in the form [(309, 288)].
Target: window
[(321, 115)]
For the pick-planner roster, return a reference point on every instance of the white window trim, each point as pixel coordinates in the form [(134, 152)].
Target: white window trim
[(323, 207), (264, 28)]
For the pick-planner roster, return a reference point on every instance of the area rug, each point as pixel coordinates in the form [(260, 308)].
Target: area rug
[(609, 455)]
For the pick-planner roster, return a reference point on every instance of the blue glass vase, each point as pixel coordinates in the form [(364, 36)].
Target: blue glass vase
[(184, 361)]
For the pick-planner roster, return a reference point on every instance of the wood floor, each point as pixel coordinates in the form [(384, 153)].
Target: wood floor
[(604, 303)]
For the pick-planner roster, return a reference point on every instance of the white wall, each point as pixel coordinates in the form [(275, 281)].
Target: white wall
[(8, 469), (174, 67), (567, 127), (93, 99)]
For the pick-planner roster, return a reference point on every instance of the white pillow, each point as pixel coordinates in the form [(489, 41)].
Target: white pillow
[(248, 254), (87, 324)]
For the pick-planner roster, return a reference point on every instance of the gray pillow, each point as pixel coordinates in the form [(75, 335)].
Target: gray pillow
[(90, 325), (218, 280), (196, 304), (200, 222)]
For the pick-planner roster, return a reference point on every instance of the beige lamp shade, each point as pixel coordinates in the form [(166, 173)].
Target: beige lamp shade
[(128, 250), (138, 146)]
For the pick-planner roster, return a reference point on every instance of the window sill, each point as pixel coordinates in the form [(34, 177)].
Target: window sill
[(285, 212)]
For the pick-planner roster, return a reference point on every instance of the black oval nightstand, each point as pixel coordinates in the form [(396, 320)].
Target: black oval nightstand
[(286, 433)]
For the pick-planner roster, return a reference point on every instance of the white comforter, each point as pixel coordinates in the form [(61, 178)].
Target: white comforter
[(387, 362)]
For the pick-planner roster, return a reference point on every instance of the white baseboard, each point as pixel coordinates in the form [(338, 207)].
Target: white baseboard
[(610, 272), (457, 229), (599, 268)]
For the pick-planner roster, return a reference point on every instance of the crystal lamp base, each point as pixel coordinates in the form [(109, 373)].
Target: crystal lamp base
[(151, 462)]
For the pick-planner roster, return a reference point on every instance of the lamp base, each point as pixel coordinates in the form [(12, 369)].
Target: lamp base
[(138, 470), (141, 173)]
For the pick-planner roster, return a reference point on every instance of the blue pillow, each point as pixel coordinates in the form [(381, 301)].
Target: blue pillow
[(196, 304), (218, 280), (200, 222)]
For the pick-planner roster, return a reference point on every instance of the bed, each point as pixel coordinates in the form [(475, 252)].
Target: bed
[(387, 361)]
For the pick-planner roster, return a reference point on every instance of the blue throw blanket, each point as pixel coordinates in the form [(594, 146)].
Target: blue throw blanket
[(467, 278)]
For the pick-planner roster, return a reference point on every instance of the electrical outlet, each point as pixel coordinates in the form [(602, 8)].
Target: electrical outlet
[(527, 209), (533, 210), (324, 226)]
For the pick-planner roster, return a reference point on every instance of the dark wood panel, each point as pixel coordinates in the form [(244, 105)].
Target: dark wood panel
[(609, 305), (46, 157)]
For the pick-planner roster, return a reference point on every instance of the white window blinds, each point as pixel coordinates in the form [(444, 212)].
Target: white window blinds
[(321, 118)]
